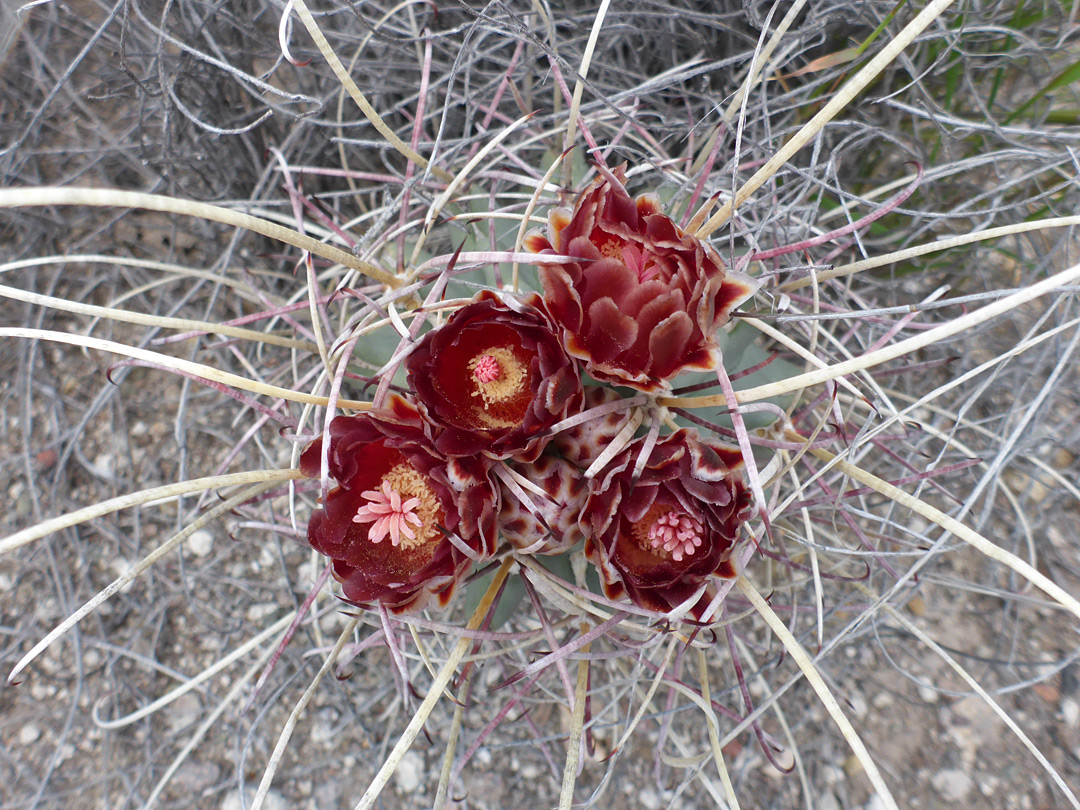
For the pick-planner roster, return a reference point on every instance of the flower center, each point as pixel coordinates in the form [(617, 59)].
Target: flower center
[(486, 369), (405, 510), (636, 258), (668, 533), (498, 377)]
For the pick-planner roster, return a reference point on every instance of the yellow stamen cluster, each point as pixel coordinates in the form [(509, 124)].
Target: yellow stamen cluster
[(507, 385)]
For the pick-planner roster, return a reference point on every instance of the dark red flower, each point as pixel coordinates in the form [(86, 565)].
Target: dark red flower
[(660, 539), (553, 527), (404, 523), (646, 300), (493, 380)]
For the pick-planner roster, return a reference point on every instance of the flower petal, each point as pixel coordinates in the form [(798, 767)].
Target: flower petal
[(611, 332)]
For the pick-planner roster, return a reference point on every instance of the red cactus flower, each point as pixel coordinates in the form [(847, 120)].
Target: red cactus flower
[(553, 527), (659, 539), (404, 523), (493, 380), (646, 300)]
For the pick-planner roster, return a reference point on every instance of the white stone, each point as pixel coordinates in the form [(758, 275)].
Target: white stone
[(952, 784), (256, 613), (305, 577), (201, 543), (988, 784), (1070, 710), (121, 566), (832, 774), (409, 773), (971, 722), (29, 734), (322, 733), (827, 801), (928, 695), (876, 803), (858, 704), (649, 800), (104, 466), (882, 700), (184, 712)]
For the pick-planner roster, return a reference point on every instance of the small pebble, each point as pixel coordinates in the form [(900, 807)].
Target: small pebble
[(328, 793), (322, 733), (1070, 710), (952, 784), (185, 711), (195, 776), (121, 566), (852, 766), (256, 613), (29, 734), (858, 705), (882, 700), (104, 466), (201, 543), (988, 785), (409, 772), (1056, 536), (928, 695)]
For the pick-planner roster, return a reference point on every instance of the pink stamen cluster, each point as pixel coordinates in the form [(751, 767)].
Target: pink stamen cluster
[(487, 369), (678, 534), (388, 514)]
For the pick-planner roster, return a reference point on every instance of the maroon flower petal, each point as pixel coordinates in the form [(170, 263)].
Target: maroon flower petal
[(610, 332), (638, 267), (668, 342)]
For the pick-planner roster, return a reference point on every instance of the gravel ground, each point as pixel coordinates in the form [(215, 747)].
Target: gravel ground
[(76, 429)]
